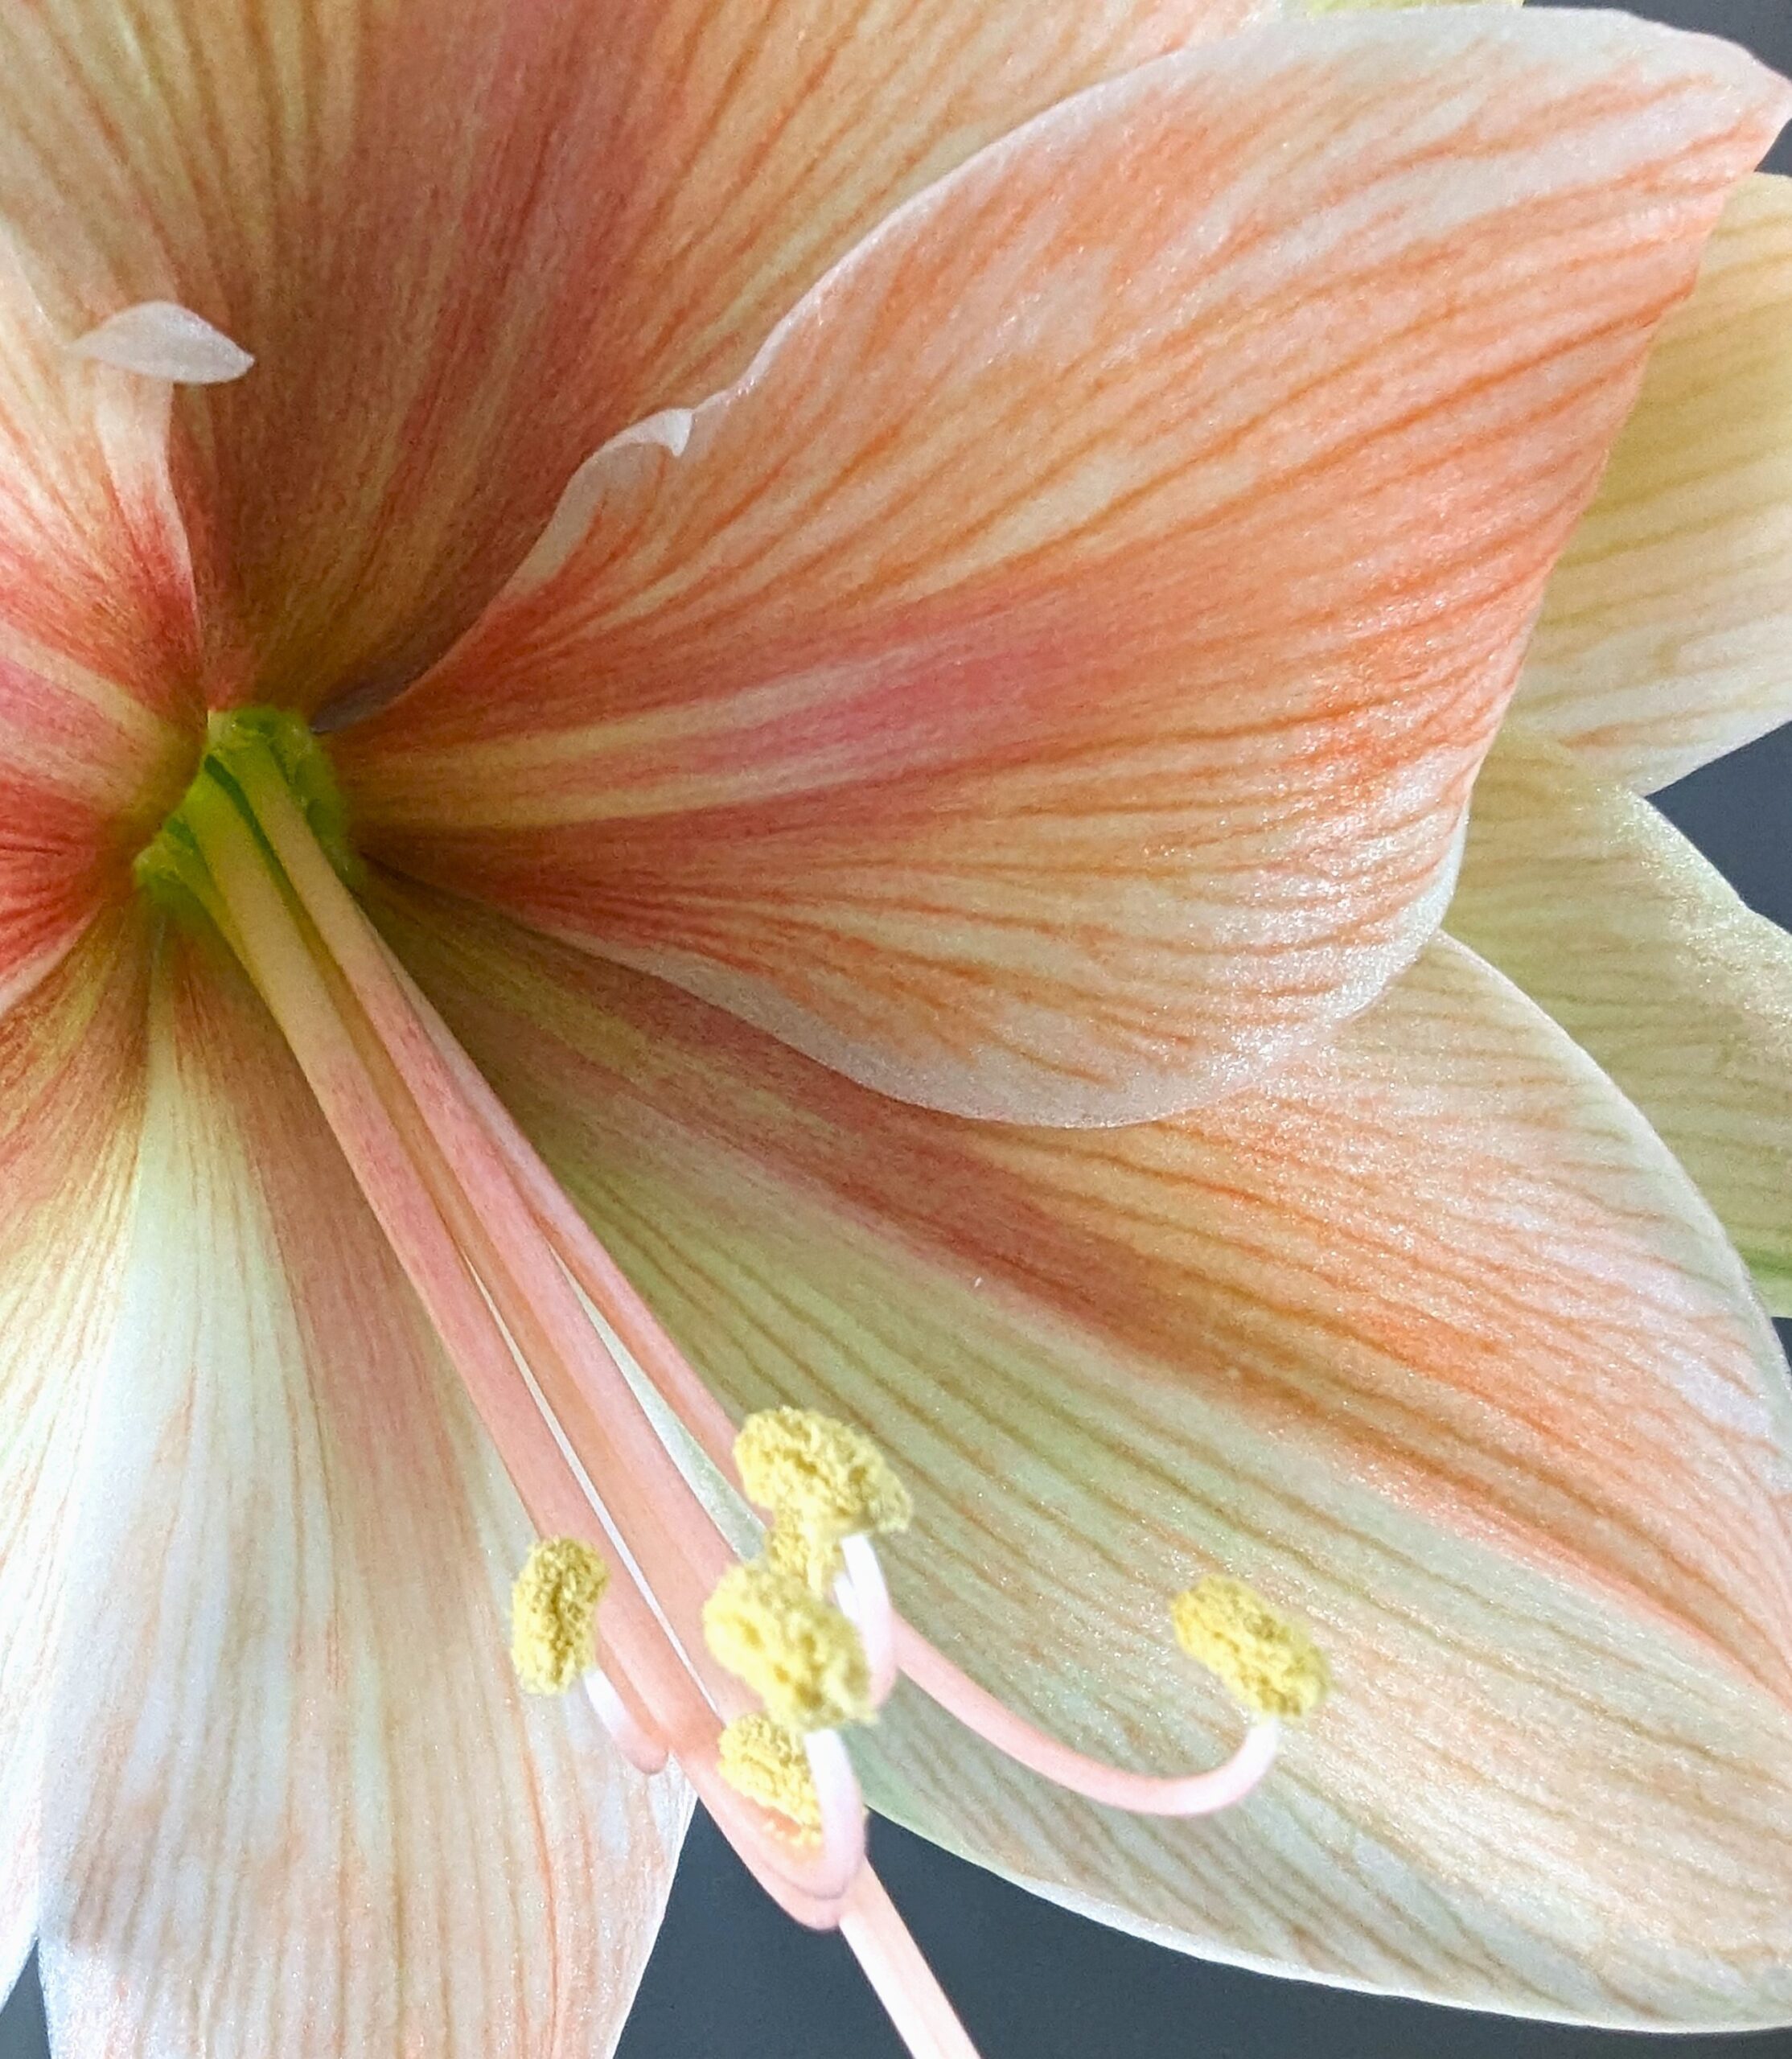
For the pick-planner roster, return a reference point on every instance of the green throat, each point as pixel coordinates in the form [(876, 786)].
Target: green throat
[(171, 870)]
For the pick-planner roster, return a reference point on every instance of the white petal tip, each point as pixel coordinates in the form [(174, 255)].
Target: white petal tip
[(159, 340), (670, 428)]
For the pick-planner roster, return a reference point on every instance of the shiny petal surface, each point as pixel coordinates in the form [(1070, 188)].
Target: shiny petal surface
[(298, 1805), (1047, 686), (466, 242), (71, 1109), (97, 711), (1430, 1341), (1606, 916), (1663, 638)]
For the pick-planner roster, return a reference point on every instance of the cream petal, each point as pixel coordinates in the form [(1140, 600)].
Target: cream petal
[(71, 1082), (1429, 1339), (1047, 686), (297, 1804), (466, 242), (1664, 637), (1610, 919)]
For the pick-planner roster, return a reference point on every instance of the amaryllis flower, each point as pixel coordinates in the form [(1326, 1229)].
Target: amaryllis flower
[(708, 710)]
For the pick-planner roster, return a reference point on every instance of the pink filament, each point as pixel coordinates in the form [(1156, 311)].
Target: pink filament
[(1144, 1794), (661, 1703), (902, 1979), (891, 1642), (418, 1125), (473, 1213), (632, 1737), (837, 1788), (864, 1597)]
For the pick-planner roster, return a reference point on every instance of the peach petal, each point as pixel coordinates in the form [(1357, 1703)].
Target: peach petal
[(467, 242), (1048, 685), (99, 722)]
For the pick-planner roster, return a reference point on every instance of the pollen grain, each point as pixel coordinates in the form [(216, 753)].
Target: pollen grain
[(1271, 1664), (553, 1615), (766, 1763), (821, 1481), (798, 1653)]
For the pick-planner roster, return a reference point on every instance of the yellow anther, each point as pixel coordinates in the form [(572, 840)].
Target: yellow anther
[(822, 1481), (767, 1763), (1269, 1663), (553, 1615), (796, 1652)]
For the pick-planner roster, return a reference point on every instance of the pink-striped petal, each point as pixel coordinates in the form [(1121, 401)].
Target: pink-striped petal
[(466, 241), (98, 716), (1429, 1339), (297, 1805), (1048, 685), (86, 775), (1664, 633), (71, 1082), (1605, 915), (93, 557)]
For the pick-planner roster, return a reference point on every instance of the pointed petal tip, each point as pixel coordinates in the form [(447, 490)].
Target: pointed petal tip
[(160, 340)]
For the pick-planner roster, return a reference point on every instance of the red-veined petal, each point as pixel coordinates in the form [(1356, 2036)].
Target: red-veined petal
[(1429, 1339), (1607, 916), (1048, 685), (98, 713), (93, 557), (466, 241), (71, 1082), (86, 775), (1664, 633), (298, 1805)]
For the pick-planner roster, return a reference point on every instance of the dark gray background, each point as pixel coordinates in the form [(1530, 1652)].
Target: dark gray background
[(731, 1979)]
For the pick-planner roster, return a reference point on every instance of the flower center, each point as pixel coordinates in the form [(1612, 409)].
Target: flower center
[(171, 869), (745, 1674)]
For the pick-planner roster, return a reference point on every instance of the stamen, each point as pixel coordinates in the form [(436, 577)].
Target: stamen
[(823, 1481), (809, 1885), (375, 1123), (474, 1239), (767, 1762), (1143, 1794), (666, 1527), (863, 1598), (238, 741), (842, 1806), (1270, 1664), (553, 1615), (796, 1652), (642, 1750), (702, 1415), (901, 1977)]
